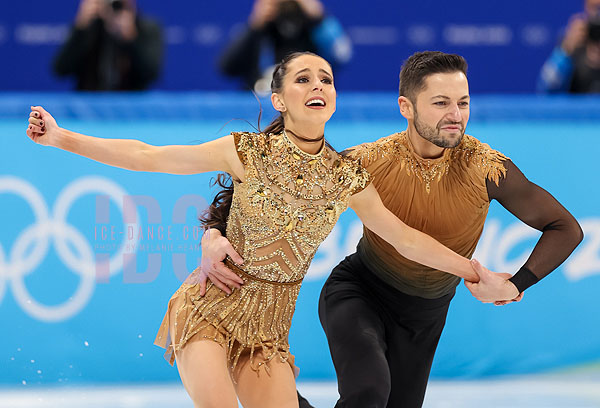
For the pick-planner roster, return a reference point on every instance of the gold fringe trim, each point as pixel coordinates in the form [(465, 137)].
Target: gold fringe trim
[(256, 317), (488, 160)]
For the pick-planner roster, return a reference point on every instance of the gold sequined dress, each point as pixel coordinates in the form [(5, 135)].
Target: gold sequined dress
[(287, 205)]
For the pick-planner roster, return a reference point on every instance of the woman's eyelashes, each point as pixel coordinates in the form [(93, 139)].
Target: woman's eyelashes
[(305, 79)]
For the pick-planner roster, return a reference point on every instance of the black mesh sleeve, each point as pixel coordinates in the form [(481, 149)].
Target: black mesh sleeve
[(534, 206)]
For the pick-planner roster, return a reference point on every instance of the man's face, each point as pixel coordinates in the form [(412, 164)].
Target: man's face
[(441, 109)]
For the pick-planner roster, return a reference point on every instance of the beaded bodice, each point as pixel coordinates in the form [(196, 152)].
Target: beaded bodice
[(288, 203)]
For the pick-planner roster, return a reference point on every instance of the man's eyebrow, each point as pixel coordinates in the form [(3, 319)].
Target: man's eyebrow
[(446, 97)]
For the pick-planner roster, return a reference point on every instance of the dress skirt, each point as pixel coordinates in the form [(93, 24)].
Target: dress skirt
[(255, 318)]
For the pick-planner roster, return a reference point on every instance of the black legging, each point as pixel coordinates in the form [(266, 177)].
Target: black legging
[(382, 341)]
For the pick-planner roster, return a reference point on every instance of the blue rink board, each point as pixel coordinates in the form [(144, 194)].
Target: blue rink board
[(82, 330)]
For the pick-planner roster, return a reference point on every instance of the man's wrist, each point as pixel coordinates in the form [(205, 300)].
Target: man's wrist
[(514, 291), (523, 279)]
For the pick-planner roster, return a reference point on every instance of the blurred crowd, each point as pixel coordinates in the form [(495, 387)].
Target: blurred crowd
[(276, 28), (574, 65), (112, 46)]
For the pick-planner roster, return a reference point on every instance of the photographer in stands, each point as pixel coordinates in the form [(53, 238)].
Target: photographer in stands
[(111, 47), (278, 28), (574, 65)]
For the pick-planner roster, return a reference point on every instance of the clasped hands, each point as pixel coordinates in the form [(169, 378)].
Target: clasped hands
[(493, 287)]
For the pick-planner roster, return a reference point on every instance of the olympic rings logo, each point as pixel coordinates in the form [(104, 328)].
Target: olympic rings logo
[(54, 228)]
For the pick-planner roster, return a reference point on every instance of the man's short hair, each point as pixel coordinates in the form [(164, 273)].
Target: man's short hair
[(422, 64)]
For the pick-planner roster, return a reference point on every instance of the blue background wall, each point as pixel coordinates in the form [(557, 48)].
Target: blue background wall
[(505, 41), (64, 321)]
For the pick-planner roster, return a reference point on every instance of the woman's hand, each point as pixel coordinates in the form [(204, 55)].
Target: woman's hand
[(42, 127), (492, 287)]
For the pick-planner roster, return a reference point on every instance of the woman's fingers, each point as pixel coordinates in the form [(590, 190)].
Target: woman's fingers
[(37, 125), (33, 135), (36, 121), (40, 110), (36, 111), (37, 129)]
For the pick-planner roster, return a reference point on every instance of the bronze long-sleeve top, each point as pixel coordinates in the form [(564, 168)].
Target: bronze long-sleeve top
[(448, 198)]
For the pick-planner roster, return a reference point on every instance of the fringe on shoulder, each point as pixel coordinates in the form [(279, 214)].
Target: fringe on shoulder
[(488, 160)]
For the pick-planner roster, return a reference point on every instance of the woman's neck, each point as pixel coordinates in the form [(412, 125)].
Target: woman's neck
[(307, 139)]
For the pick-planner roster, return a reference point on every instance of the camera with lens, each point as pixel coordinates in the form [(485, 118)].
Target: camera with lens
[(116, 5), (290, 20)]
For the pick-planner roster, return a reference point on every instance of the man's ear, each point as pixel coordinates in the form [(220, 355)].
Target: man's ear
[(277, 102), (407, 108)]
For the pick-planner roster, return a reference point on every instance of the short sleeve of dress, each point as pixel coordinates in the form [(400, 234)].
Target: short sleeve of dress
[(359, 176), (363, 180), (359, 153), (243, 144)]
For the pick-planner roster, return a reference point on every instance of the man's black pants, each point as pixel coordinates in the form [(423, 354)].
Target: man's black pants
[(382, 341)]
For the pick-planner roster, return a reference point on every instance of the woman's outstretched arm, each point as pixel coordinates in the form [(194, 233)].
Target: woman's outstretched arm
[(217, 155), (417, 246)]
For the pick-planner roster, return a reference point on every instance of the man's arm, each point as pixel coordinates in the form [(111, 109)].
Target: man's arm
[(534, 206)]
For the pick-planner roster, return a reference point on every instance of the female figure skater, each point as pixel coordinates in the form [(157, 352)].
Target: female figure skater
[(289, 190)]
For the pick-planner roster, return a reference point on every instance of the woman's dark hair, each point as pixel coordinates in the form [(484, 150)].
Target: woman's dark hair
[(215, 216), (422, 64)]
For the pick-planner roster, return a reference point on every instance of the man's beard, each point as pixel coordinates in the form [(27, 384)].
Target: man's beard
[(434, 135)]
